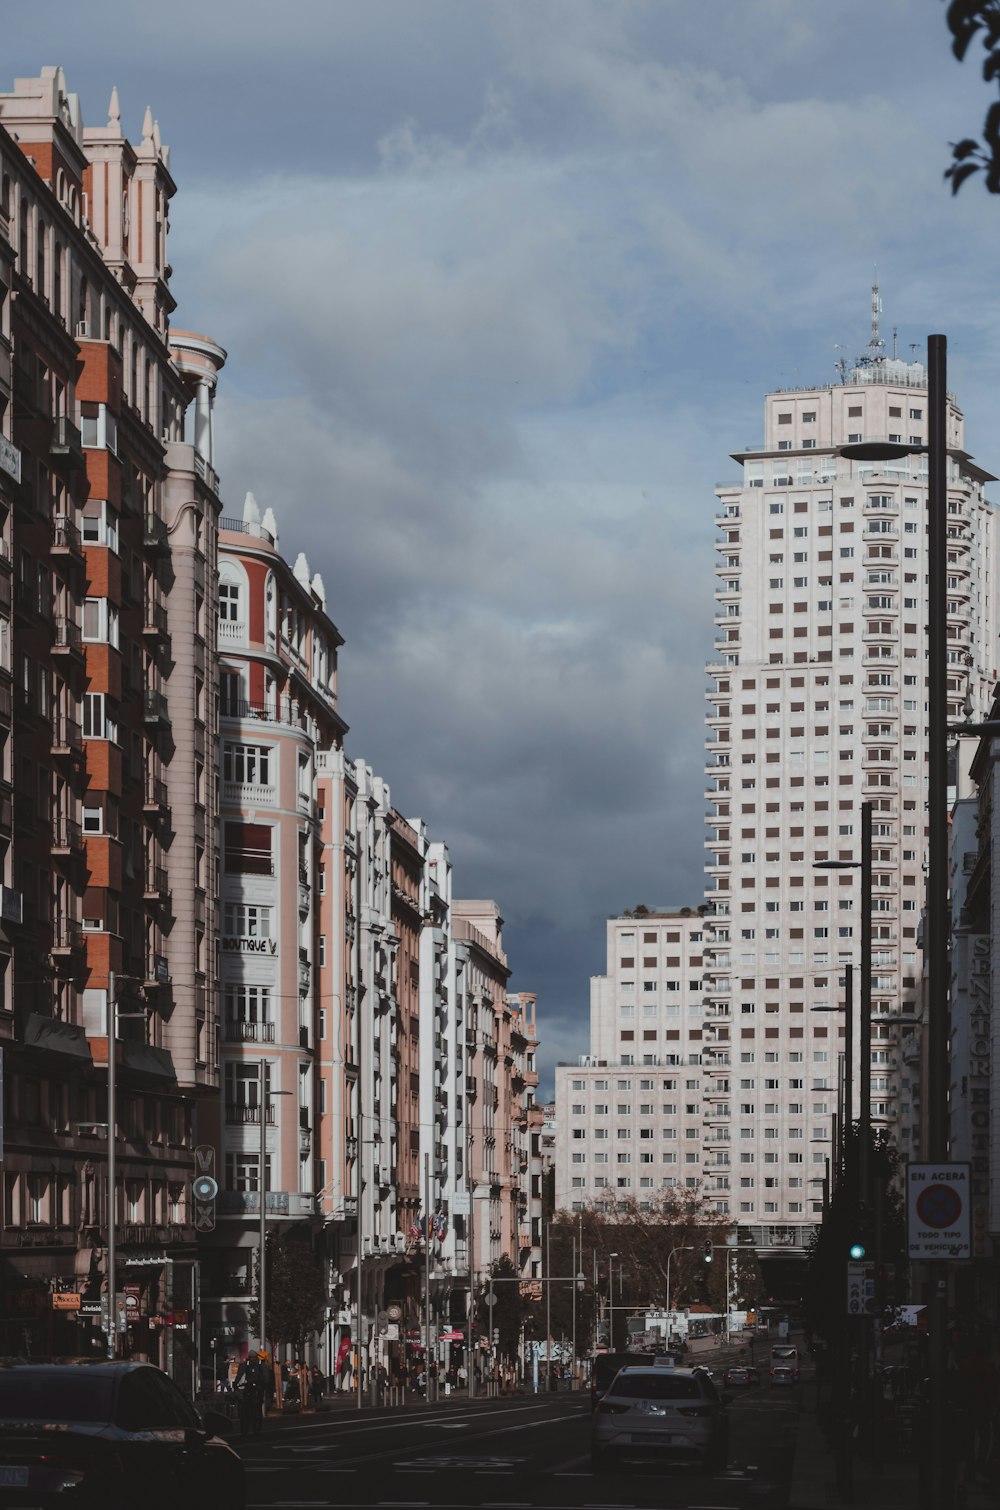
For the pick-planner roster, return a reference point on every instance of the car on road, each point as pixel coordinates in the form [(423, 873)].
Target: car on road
[(671, 1412), (106, 1436), (784, 1373), (604, 1367), (741, 1376)]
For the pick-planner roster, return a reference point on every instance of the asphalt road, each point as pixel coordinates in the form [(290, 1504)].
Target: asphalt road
[(508, 1454)]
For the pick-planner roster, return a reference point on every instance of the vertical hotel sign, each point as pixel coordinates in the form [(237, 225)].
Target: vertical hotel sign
[(978, 1082)]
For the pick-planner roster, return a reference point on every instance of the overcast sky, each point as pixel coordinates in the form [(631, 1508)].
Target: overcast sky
[(502, 284)]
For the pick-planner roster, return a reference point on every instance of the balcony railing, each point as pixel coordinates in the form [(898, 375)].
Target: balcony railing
[(66, 536), (247, 1201), (154, 534), (238, 1115), (66, 933), (157, 883), (279, 710), (66, 734), (66, 438), (155, 793), (66, 635), (155, 622), (154, 707), (66, 833), (240, 1030), (241, 527)]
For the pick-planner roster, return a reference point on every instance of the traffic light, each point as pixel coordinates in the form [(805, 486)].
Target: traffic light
[(856, 1251), (708, 1252)]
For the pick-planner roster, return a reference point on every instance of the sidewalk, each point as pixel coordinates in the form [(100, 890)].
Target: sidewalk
[(814, 1476)]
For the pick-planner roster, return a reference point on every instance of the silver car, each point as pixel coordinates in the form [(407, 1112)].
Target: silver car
[(676, 1412)]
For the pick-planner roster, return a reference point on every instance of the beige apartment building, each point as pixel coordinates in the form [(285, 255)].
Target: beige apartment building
[(643, 1112), (186, 851), (818, 703), (107, 820), (277, 681)]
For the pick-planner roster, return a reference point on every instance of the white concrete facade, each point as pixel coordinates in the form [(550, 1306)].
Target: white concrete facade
[(638, 1115), (817, 702)]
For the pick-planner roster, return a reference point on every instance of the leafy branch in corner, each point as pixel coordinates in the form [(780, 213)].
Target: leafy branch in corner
[(968, 19)]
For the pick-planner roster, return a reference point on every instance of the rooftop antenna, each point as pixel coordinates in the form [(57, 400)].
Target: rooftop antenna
[(894, 343), (876, 346)]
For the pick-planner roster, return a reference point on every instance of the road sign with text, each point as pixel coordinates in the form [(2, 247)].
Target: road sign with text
[(938, 1214)]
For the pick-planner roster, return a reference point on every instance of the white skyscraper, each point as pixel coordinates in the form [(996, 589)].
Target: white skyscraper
[(818, 702)]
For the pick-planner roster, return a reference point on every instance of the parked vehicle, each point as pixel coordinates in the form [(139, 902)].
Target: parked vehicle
[(676, 1412), (109, 1436)]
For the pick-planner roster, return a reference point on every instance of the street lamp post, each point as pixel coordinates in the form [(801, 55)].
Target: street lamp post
[(611, 1301), (937, 920), (682, 1248), (265, 1101), (864, 1193), (114, 1018)]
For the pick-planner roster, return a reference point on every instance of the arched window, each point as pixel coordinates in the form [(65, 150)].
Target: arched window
[(232, 603), (270, 612), (41, 252)]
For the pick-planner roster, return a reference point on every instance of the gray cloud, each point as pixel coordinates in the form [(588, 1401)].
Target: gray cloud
[(502, 285)]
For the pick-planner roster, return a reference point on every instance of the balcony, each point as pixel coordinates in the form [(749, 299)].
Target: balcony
[(66, 439), (154, 625), (67, 835), (239, 1115), (154, 533), (157, 885), (67, 935), (66, 537), (241, 1030), (245, 1202), (281, 710), (155, 798), (67, 736), (154, 707), (157, 972), (66, 637)]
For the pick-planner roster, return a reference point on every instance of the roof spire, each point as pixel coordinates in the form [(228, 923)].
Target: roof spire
[(114, 108)]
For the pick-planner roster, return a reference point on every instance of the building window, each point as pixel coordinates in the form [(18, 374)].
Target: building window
[(247, 921), (98, 722), (246, 765), (247, 848), (230, 602)]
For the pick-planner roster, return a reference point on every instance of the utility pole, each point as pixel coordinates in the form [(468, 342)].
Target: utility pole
[(112, 1026), (472, 1355), (427, 1279), (548, 1305), (262, 1236)]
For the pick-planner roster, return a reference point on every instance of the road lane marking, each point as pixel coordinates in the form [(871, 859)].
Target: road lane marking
[(409, 1416)]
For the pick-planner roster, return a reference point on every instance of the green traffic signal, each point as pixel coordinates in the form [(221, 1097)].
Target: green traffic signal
[(857, 1250)]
